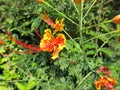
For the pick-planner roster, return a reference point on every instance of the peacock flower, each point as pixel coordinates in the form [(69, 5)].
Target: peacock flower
[(106, 82), (52, 44), (59, 25), (116, 19)]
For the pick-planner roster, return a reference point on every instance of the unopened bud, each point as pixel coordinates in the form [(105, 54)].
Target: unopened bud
[(39, 1), (78, 1), (116, 19)]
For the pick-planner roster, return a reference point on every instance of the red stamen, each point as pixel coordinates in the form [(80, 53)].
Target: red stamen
[(47, 19), (38, 49), (38, 34)]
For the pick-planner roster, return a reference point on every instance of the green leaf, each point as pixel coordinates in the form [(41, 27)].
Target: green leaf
[(26, 23), (2, 61), (2, 77), (104, 27), (89, 45), (2, 83), (21, 86), (36, 23), (31, 84), (3, 88), (71, 46), (106, 51), (2, 50), (90, 52), (103, 38)]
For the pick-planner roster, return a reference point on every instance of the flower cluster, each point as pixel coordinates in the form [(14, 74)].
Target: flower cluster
[(50, 41), (105, 81), (53, 41)]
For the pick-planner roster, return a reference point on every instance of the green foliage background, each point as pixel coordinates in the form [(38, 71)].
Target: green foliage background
[(73, 70)]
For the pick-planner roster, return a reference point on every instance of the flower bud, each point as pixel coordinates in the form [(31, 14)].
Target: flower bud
[(116, 19), (78, 1), (39, 1)]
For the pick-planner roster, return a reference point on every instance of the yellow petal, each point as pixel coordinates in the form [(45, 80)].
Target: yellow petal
[(59, 25), (46, 42)]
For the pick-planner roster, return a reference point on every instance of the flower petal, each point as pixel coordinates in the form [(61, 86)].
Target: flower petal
[(58, 25), (46, 43), (104, 70), (106, 82), (60, 43)]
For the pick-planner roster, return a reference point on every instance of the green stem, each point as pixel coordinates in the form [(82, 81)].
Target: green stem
[(118, 26), (84, 78), (99, 36), (94, 1), (22, 71), (103, 45), (75, 6), (108, 21), (72, 39), (69, 35), (60, 13), (80, 23)]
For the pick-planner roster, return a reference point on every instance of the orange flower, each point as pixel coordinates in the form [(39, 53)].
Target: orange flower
[(39, 1), (105, 70), (78, 1), (116, 19), (50, 43), (58, 25), (106, 82)]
